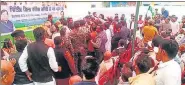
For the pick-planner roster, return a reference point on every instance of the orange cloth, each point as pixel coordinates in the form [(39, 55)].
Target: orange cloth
[(107, 55), (182, 48), (149, 33), (49, 42), (8, 73), (71, 62), (74, 79), (115, 29), (93, 37)]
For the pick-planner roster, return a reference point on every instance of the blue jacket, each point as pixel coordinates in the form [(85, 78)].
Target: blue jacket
[(6, 27), (165, 13)]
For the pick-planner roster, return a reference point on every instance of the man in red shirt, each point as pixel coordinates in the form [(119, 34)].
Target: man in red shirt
[(140, 22)]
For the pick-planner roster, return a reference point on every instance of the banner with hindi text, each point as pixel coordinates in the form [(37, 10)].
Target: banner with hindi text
[(27, 15)]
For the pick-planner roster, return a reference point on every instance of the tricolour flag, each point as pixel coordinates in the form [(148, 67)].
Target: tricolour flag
[(150, 9)]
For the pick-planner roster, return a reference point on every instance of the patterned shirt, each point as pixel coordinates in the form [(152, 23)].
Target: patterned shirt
[(67, 44), (84, 29), (78, 39)]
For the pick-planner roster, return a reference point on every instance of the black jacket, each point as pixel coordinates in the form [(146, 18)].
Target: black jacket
[(20, 77), (38, 62), (66, 71)]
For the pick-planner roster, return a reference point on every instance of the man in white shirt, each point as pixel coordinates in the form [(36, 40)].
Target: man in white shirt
[(168, 72), (111, 30), (109, 37), (131, 22), (39, 59), (174, 25), (67, 28)]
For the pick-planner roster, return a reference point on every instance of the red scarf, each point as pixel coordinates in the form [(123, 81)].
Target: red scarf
[(116, 30), (93, 37), (140, 22)]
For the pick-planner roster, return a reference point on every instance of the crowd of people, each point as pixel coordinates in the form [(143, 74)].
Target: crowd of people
[(96, 50)]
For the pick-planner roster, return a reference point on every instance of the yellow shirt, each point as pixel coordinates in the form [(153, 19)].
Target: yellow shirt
[(149, 33), (142, 79)]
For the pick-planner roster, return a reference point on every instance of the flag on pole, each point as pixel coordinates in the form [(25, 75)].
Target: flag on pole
[(150, 9)]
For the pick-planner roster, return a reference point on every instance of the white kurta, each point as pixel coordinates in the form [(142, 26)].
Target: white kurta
[(111, 30), (168, 73), (175, 27), (55, 35), (132, 25), (108, 43), (67, 30)]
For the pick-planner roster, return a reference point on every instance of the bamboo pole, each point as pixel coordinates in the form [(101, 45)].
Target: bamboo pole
[(135, 26)]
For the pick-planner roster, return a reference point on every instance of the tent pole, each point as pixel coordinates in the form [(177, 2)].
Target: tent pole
[(135, 26)]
